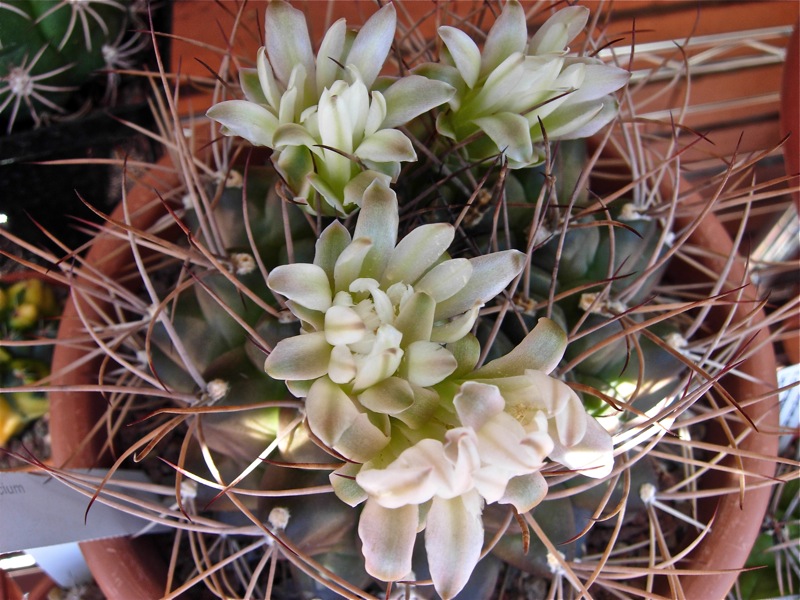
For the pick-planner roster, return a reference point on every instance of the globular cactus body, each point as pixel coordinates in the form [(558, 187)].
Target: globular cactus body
[(50, 49)]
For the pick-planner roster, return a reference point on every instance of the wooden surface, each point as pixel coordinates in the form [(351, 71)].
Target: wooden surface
[(728, 104)]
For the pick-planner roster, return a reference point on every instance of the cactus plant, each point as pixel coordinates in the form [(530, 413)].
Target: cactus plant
[(51, 49), (386, 377)]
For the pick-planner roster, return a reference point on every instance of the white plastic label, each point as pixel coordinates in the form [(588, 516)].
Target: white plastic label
[(37, 510)]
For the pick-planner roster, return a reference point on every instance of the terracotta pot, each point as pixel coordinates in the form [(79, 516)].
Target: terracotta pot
[(735, 527), (126, 568)]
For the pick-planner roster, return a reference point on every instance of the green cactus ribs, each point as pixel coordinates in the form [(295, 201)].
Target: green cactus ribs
[(56, 55)]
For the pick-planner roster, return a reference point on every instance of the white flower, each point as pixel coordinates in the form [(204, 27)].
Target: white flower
[(506, 90), (331, 135), (376, 315), (579, 441), (509, 417), (491, 458)]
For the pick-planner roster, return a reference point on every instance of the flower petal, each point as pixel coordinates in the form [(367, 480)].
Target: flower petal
[(500, 86), (266, 77), (245, 119), (378, 222), (329, 246), (292, 134), (579, 120), (299, 357), (465, 53), (599, 80), (349, 264), (304, 283), (390, 396), (445, 279), (476, 403), (559, 30), (377, 367), (387, 145), (376, 113), (372, 44), (287, 40), (311, 320), (457, 327), (491, 481), (501, 443), (295, 165), (363, 439), (541, 350), (417, 252), (335, 129), (251, 86), (345, 486), (534, 392), (525, 491), (329, 55), (342, 366), (467, 351), (330, 412), (343, 326), (413, 478), (399, 486), (411, 96), (593, 456), (570, 422), (292, 97), (332, 202), (446, 74), (426, 401), (491, 273), (355, 188), (510, 133), (427, 363), (509, 34), (387, 537), (415, 318), (299, 388), (453, 541), (575, 120)]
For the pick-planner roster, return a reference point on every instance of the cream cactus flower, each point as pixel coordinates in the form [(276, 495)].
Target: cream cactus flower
[(506, 418), (387, 365), (377, 317), (515, 86), (330, 133)]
